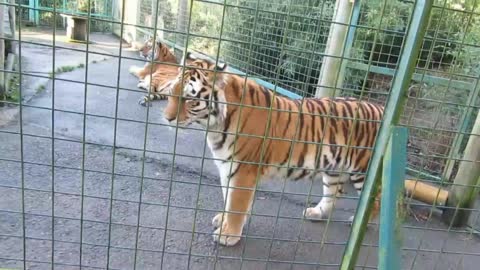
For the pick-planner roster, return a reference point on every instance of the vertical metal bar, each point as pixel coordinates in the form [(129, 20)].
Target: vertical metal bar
[(36, 12), (105, 7), (114, 146), (20, 117), (85, 96), (174, 156), (145, 138), (396, 100), (53, 136), (394, 164), (197, 200), (31, 14)]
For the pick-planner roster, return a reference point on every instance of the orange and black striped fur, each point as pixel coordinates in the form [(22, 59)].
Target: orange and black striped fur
[(155, 75), (304, 139)]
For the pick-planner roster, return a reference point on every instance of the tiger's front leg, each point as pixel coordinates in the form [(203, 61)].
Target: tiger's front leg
[(238, 194)]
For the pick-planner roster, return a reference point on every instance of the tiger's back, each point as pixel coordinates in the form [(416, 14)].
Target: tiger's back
[(327, 135)]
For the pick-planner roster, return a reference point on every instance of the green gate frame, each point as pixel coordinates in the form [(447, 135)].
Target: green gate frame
[(389, 245)]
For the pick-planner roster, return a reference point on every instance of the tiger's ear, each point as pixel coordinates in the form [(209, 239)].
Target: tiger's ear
[(190, 56), (221, 67)]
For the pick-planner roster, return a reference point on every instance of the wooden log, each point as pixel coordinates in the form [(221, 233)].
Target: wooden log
[(12, 21), (426, 193)]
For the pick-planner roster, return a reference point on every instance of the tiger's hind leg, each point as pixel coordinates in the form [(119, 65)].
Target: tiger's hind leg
[(357, 181), (332, 186)]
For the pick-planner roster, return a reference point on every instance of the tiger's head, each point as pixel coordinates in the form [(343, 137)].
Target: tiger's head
[(156, 51), (196, 93)]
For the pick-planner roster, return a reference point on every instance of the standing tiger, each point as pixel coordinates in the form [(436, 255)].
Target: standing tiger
[(155, 75), (303, 139)]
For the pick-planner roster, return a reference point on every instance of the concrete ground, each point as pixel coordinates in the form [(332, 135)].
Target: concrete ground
[(163, 219)]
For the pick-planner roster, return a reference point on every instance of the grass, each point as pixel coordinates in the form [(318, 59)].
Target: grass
[(64, 69), (13, 94), (40, 88)]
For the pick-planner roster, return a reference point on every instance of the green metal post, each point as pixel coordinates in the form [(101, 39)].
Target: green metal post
[(396, 100), (31, 14), (394, 164)]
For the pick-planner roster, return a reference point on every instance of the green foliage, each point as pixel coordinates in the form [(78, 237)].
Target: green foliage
[(284, 42), (450, 22), (280, 42), (206, 21), (13, 93), (64, 69)]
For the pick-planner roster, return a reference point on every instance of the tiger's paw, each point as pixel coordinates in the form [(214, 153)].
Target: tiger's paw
[(313, 213), (134, 70), (217, 220), (350, 220), (226, 236), (144, 102), (142, 85)]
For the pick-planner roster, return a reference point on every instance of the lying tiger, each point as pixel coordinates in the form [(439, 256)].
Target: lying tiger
[(155, 76), (304, 139)]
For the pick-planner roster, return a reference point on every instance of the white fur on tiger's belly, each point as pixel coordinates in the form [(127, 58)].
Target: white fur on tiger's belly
[(145, 83)]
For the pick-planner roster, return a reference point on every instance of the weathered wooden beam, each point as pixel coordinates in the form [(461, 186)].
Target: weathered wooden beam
[(465, 188), (334, 51), (12, 21), (2, 51)]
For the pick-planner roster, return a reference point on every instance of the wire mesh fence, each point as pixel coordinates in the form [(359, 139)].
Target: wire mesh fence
[(91, 180)]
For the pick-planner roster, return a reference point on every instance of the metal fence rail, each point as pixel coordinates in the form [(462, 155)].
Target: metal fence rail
[(91, 180)]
